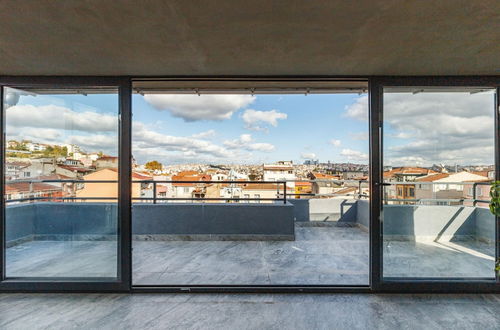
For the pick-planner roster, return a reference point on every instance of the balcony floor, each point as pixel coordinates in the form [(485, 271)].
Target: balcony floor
[(319, 255), (247, 311)]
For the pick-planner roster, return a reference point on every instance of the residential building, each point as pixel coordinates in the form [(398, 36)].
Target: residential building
[(302, 189), (324, 184), (263, 190), (106, 162), (445, 188), (75, 172), (108, 191), (189, 190), (280, 171), (16, 170), (36, 147), (18, 191), (404, 191)]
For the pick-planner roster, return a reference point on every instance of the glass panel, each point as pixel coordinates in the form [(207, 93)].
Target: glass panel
[(438, 165), (209, 189), (61, 218)]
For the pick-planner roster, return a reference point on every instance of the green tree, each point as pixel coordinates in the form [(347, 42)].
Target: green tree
[(153, 165)]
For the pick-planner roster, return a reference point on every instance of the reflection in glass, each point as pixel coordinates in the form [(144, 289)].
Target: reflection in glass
[(209, 199), (61, 183), (438, 164)]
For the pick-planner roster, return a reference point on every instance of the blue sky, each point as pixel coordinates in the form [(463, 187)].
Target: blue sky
[(419, 129), (315, 126), (311, 123)]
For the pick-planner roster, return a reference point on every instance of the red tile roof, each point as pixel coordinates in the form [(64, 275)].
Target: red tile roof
[(75, 169), (135, 175), (432, 177), (198, 177), (318, 175), (25, 187)]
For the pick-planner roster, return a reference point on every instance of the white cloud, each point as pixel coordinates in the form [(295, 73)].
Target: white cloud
[(402, 135), (335, 143), (308, 155), (354, 155), (245, 142), (359, 109), (42, 135), (106, 143), (360, 136), (428, 128), (433, 128), (204, 135), (253, 118), (146, 138), (57, 117), (266, 147), (199, 107)]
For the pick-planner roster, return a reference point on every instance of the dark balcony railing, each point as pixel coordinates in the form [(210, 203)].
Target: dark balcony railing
[(281, 195), (155, 199)]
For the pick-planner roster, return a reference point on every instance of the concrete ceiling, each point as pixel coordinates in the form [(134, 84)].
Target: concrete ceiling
[(260, 37)]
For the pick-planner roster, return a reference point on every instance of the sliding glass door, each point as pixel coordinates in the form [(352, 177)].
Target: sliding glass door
[(438, 163), (249, 187), (61, 194), (243, 185)]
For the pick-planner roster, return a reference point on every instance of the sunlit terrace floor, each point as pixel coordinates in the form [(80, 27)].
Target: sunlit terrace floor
[(319, 255)]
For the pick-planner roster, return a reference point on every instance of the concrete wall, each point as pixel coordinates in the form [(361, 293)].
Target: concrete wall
[(19, 224), (84, 221), (243, 221), (428, 222), (485, 225), (327, 209), (70, 220), (363, 213)]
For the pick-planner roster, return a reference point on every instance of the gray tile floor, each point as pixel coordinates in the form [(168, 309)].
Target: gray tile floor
[(319, 255), (200, 311), (62, 259), (439, 259)]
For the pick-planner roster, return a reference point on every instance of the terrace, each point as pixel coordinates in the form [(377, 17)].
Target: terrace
[(284, 241)]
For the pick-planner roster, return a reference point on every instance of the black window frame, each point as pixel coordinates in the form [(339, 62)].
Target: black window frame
[(376, 284), (78, 284), (420, 284)]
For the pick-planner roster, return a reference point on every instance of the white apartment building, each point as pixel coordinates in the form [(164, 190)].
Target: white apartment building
[(282, 170), (35, 146)]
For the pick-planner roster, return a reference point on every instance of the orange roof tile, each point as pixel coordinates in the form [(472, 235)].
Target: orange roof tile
[(432, 177), (25, 187)]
